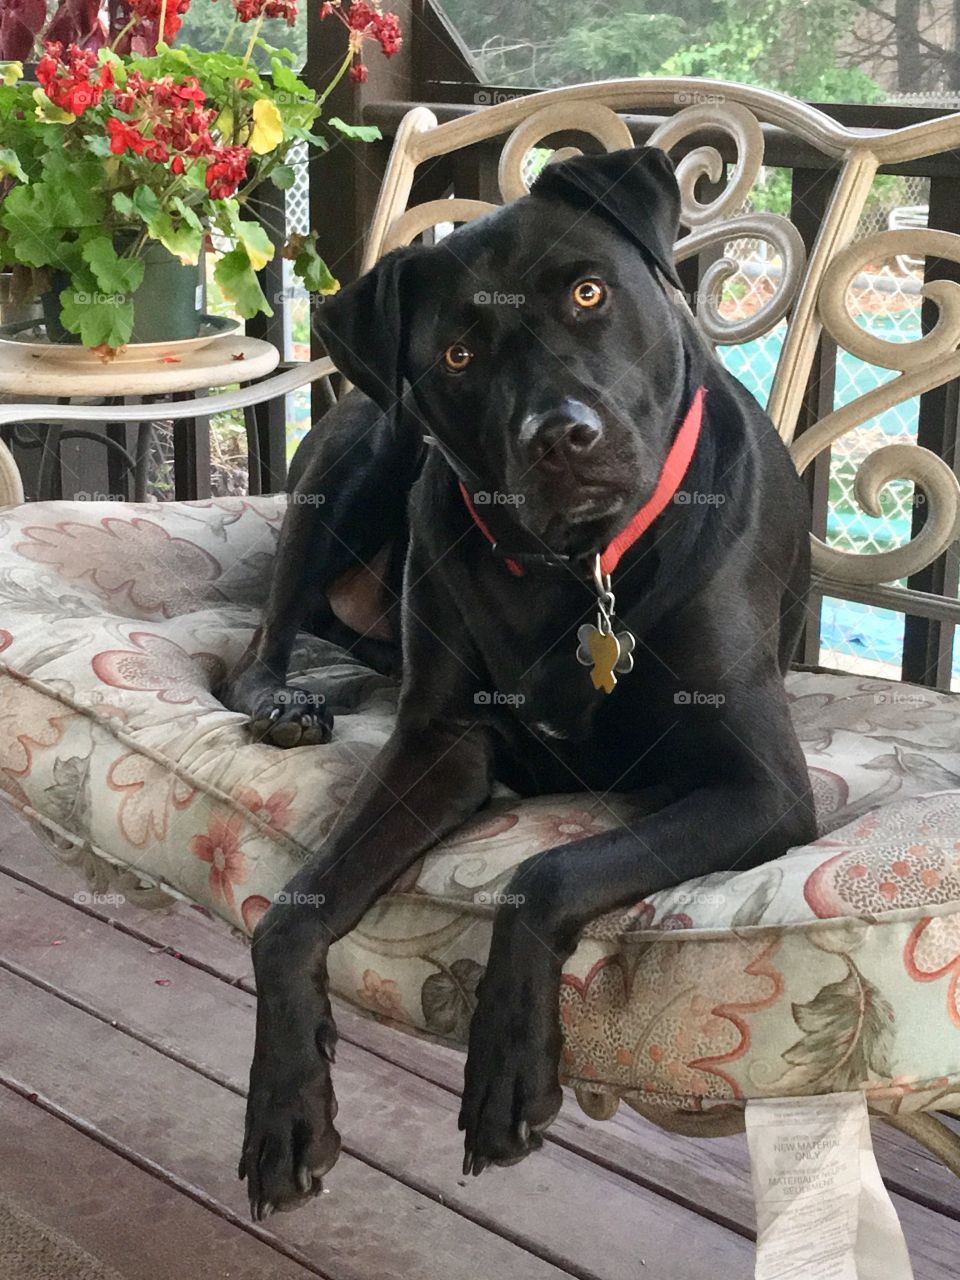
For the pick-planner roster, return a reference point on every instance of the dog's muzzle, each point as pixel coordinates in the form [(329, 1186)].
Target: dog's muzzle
[(561, 436)]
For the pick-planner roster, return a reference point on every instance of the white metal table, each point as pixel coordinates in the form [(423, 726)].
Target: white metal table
[(51, 384)]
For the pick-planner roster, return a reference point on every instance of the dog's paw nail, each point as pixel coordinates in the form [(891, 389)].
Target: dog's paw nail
[(274, 714), (304, 1179), (242, 1168), (467, 1162), (479, 1164), (523, 1132)]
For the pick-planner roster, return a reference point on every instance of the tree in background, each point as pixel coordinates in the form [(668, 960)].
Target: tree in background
[(803, 47)]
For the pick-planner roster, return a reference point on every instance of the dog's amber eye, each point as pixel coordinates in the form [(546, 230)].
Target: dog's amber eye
[(457, 357), (589, 293)]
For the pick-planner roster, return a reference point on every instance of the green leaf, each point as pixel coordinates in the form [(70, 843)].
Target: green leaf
[(113, 274), (258, 245), (184, 242), (36, 218), (251, 235), (286, 82), (38, 215), (287, 54), (99, 319), (310, 267), (312, 139), (142, 206), (283, 176), (189, 215), (10, 165), (358, 132), (98, 146), (236, 277)]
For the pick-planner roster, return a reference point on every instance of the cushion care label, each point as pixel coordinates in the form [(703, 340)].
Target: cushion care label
[(823, 1212)]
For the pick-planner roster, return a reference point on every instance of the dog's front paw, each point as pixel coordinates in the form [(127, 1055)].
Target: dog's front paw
[(511, 1084), (291, 717), (281, 714), (290, 1142)]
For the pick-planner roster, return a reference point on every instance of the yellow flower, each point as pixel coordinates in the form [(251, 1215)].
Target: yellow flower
[(10, 73), (267, 130)]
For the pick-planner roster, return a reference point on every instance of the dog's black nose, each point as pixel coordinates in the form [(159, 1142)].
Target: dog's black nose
[(568, 430)]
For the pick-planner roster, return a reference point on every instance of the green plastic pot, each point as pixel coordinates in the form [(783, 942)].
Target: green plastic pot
[(167, 306)]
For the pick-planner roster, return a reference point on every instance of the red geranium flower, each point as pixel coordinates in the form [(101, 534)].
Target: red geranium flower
[(149, 11), (169, 121), (226, 171), (124, 137), (248, 10), (67, 83), (365, 22)]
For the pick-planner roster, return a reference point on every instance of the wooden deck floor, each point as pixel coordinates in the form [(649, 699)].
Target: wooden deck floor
[(124, 1046)]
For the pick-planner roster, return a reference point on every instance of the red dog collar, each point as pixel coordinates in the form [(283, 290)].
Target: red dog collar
[(671, 477)]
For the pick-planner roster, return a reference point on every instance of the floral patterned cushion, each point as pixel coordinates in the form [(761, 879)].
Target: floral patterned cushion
[(836, 967)]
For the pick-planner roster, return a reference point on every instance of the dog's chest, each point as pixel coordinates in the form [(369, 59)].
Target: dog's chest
[(528, 634), (545, 687)]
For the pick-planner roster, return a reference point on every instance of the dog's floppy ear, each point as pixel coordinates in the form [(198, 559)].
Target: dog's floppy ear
[(635, 190), (363, 328)]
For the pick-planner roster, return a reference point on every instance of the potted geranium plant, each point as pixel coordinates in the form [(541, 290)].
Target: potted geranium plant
[(118, 163)]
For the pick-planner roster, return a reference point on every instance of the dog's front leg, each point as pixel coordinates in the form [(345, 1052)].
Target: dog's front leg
[(426, 781), (511, 1089)]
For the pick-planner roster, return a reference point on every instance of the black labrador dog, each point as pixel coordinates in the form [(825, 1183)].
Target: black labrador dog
[(604, 558)]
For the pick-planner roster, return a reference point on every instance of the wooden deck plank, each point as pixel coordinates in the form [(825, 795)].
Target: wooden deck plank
[(711, 1174), (181, 927), (934, 1243), (184, 1126), (121, 1215), (557, 1205)]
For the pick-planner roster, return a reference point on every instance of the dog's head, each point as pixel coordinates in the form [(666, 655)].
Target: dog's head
[(538, 342)]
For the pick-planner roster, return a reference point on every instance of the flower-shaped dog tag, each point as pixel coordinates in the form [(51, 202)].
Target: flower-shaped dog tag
[(607, 654)]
